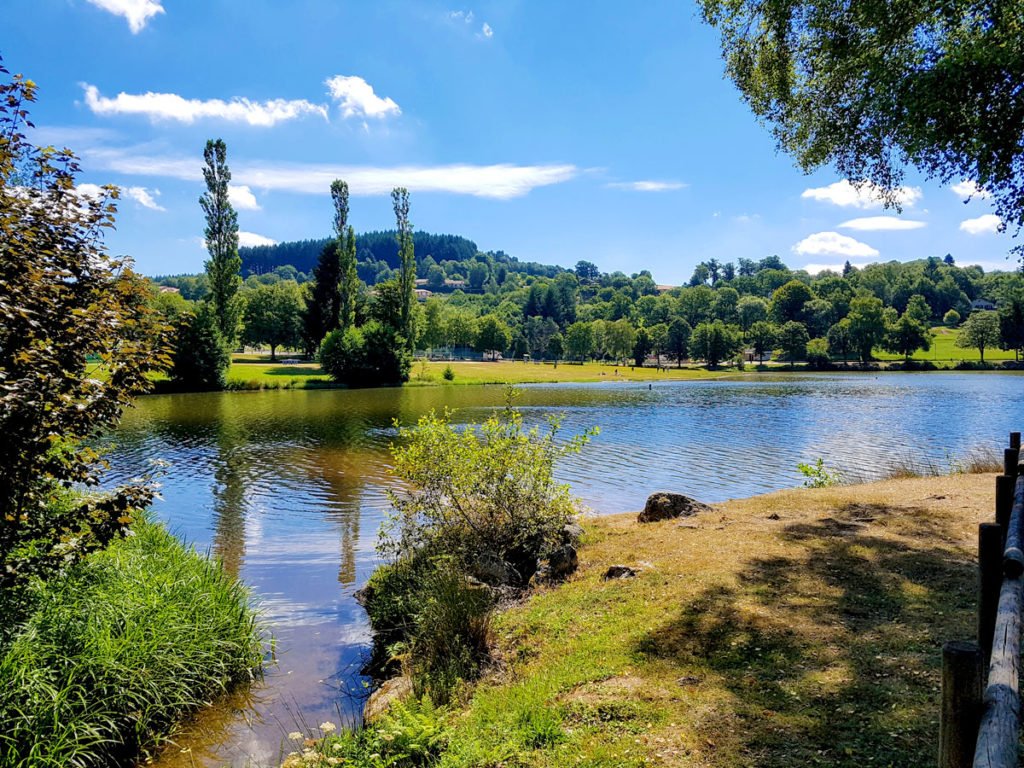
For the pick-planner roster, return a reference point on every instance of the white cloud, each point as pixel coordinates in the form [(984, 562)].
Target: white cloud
[(969, 188), (833, 244), (500, 181), (250, 239), (881, 223), (647, 186), (983, 225), (242, 198), (467, 18), (171, 106), (137, 12), (90, 190), (143, 197), (357, 99), (486, 30), (865, 195)]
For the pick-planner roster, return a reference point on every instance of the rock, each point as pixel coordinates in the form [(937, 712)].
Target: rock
[(363, 596), (664, 506), (560, 563), (572, 532), (395, 689), (619, 572)]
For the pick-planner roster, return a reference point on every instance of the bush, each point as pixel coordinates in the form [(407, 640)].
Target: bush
[(449, 374), (951, 318), (119, 648), (370, 356), (201, 357)]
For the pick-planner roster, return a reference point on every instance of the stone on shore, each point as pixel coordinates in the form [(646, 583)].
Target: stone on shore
[(395, 689), (665, 506)]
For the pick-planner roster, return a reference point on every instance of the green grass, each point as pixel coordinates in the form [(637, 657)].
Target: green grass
[(944, 350), (118, 650)]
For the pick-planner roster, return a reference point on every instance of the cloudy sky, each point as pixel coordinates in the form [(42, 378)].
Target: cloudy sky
[(552, 131)]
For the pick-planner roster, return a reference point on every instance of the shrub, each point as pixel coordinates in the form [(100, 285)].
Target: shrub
[(117, 649), (951, 318), (817, 476), (201, 357), (817, 353), (369, 356), (449, 374)]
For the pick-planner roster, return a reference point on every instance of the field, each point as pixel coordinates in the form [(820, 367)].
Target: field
[(944, 351)]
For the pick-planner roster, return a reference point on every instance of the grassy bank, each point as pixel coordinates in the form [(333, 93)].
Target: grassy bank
[(798, 628), (117, 650)]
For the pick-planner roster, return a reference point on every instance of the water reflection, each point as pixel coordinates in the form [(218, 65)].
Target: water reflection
[(288, 488)]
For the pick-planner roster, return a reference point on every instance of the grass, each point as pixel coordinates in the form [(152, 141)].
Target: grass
[(118, 650), (802, 627), (810, 639), (944, 350)]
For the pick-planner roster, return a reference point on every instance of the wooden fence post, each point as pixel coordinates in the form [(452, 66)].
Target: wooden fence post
[(1004, 500), (1010, 461), (961, 704), (990, 579), (1015, 440)]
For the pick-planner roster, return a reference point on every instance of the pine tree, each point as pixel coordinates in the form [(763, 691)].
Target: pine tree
[(407, 274), (221, 240), (348, 276)]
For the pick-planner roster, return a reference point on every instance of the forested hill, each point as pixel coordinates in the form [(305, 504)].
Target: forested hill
[(370, 247)]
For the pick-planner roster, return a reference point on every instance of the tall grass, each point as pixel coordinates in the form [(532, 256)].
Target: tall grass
[(978, 460), (118, 649)]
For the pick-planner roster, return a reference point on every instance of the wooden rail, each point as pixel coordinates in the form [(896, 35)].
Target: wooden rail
[(981, 714)]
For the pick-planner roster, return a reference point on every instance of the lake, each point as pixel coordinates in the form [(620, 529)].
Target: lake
[(288, 488)]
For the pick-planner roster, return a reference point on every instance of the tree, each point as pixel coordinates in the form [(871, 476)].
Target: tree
[(762, 336), (679, 333), (701, 274), (201, 355), (714, 342), (725, 306), (839, 341), (906, 336), (980, 331), (478, 274), (435, 277), (273, 316), (918, 309), (751, 309), (433, 334), (620, 337), (407, 261), (641, 347), (221, 240), (872, 88), (579, 341), (951, 318), (67, 311), (793, 339), (817, 353), (556, 347), (323, 311), (788, 301), (1011, 323), (348, 274), (818, 315), (493, 336), (586, 270), (460, 329), (867, 325)]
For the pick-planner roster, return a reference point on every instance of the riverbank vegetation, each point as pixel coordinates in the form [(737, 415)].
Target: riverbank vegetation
[(803, 627), (111, 629)]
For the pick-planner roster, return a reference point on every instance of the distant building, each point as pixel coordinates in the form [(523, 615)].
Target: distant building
[(422, 293), (983, 304), (168, 289), (664, 288)]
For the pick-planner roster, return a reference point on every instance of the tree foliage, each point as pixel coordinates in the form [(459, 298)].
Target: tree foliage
[(871, 87), (78, 339), (980, 331), (221, 240), (273, 316)]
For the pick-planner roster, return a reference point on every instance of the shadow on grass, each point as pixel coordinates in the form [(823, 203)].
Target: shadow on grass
[(830, 656), (293, 370)]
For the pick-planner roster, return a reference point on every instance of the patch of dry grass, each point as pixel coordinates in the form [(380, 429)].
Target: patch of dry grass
[(799, 628)]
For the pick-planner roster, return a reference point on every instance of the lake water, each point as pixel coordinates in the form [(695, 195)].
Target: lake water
[(288, 488)]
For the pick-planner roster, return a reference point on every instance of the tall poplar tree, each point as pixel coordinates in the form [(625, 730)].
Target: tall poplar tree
[(221, 240), (348, 276), (407, 274)]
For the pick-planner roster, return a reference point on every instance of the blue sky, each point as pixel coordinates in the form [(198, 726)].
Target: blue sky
[(553, 131)]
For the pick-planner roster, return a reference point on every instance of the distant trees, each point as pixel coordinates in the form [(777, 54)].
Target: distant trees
[(907, 335), (714, 342), (407, 261), (762, 337), (679, 333), (348, 276), (221, 240), (867, 325), (793, 338), (579, 341), (493, 336), (1011, 322)]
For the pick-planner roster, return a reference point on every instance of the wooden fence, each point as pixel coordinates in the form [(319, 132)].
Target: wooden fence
[(980, 720)]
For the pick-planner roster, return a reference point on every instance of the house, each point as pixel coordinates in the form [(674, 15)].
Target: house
[(983, 304), (664, 288), (423, 294), (168, 289)]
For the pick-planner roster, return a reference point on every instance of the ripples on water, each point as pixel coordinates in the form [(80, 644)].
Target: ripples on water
[(288, 487)]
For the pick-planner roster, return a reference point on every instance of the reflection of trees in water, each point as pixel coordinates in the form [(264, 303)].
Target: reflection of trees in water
[(231, 471)]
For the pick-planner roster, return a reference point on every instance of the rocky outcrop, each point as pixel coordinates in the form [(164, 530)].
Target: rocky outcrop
[(561, 563), (665, 506), (395, 689)]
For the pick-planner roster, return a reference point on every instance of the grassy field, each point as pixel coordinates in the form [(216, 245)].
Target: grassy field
[(944, 351), (799, 628)]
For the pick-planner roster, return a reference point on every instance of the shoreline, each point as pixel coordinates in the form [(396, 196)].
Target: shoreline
[(801, 626)]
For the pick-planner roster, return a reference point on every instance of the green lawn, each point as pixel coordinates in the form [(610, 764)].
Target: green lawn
[(943, 349)]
